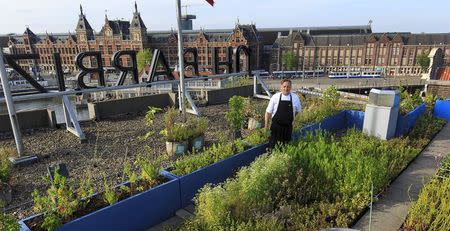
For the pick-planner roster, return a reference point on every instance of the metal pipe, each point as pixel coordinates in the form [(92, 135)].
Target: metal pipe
[(181, 60), (99, 89), (10, 105)]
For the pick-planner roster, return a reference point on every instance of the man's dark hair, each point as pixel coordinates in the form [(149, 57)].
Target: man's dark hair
[(286, 80)]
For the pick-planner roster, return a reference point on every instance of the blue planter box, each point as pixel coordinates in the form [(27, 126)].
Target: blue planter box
[(405, 123), (340, 121), (214, 173), (135, 213), (442, 109)]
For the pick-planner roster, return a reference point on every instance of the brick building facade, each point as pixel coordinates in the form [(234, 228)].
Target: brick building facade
[(394, 53), (328, 48)]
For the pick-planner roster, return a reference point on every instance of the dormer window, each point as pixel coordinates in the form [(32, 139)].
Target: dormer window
[(108, 32)]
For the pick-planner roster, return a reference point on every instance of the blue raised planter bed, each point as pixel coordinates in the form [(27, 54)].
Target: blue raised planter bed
[(340, 121), (136, 213), (406, 123), (442, 109), (214, 173)]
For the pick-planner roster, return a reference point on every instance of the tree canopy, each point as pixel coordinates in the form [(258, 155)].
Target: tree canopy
[(143, 57), (290, 60), (423, 61)]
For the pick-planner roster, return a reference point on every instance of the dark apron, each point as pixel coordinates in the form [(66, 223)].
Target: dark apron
[(281, 128)]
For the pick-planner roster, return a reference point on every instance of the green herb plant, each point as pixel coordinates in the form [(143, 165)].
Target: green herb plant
[(174, 131), (409, 101), (110, 195), (5, 164), (61, 200), (149, 121), (432, 209), (317, 182), (7, 222), (235, 115)]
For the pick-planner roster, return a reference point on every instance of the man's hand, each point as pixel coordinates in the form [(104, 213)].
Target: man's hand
[(267, 118)]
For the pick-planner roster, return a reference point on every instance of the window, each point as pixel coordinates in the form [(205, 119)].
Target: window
[(109, 49)]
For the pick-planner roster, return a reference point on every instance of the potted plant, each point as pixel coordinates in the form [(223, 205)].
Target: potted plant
[(235, 115), (197, 127), (176, 133), (255, 113), (5, 174)]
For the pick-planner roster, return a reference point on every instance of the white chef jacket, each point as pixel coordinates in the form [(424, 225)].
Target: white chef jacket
[(273, 103)]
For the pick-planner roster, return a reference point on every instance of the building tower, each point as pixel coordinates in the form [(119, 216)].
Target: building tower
[(138, 30), (83, 30)]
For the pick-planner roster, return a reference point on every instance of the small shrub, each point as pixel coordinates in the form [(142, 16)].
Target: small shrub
[(189, 163), (235, 115), (61, 200), (174, 132), (149, 120), (258, 136), (319, 109), (110, 195), (5, 164), (150, 168), (197, 126), (432, 209), (409, 101), (254, 109), (7, 222)]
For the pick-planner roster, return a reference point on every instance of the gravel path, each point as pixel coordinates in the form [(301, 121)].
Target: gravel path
[(109, 144)]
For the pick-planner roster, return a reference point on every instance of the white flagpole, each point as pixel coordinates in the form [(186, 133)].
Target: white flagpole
[(181, 61)]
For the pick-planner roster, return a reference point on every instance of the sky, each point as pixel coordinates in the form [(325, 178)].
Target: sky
[(60, 16)]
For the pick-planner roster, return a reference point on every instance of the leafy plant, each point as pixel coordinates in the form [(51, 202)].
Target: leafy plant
[(190, 163), (197, 126), (258, 136), (423, 61), (150, 168), (143, 57), (254, 109), (319, 109), (290, 60), (149, 121), (409, 101), (61, 200), (132, 178), (235, 115), (174, 132), (431, 211), (5, 164), (7, 222), (430, 101), (110, 195), (319, 181)]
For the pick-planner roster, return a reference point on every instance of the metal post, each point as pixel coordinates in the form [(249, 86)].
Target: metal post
[(181, 60), (11, 109)]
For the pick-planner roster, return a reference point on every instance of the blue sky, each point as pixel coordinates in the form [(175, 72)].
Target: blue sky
[(58, 16)]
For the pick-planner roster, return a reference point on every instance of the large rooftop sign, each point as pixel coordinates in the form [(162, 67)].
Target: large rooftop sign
[(232, 64)]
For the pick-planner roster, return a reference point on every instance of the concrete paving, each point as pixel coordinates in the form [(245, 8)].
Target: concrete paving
[(390, 212), (175, 222)]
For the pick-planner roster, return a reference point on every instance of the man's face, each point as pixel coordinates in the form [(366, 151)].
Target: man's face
[(286, 88)]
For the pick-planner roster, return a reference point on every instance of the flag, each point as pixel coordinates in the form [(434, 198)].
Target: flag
[(211, 2)]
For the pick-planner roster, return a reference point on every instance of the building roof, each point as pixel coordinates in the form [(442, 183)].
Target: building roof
[(137, 21), (83, 23), (4, 41), (443, 74)]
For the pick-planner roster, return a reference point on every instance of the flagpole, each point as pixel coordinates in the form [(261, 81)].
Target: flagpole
[(181, 61)]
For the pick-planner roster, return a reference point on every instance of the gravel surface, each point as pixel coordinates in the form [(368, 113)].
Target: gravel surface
[(109, 144)]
